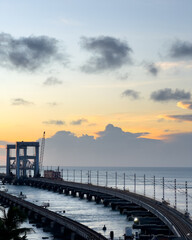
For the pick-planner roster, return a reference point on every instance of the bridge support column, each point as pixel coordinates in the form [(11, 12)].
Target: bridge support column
[(97, 199), (36, 170), (45, 224), (29, 213), (17, 163), (52, 225), (81, 195), (73, 236), (8, 163), (89, 197), (9, 159), (43, 220), (62, 230), (73, 193), (36, 217), (25, 162)]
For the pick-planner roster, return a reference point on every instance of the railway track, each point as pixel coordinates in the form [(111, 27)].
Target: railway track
[(180, 225), (175, 220), (178, 222)]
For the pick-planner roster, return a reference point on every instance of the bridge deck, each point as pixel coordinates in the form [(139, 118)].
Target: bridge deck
[(76, 227), (180, 225)]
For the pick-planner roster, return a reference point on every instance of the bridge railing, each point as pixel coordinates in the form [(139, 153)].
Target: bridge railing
[(175, 192)]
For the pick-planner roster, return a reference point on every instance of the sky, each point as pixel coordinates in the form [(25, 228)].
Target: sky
[(102, 78)]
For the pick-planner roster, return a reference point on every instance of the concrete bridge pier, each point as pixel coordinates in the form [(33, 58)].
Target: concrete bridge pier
[(74, 193), (97, 199), (45, 224), (62, 230), (60, 190), (29, 213), (66, 191), (73, 236), (89, 197), (38, 220), (36, 216), (57, 230), (81, 195), (52, 224), (55, 189)]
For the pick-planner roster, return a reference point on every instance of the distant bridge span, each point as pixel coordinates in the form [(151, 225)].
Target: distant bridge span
[(66, 226), (177, 222)]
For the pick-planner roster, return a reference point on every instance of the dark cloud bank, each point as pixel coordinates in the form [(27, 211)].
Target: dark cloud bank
[(152, 68), (29, 53), (181, 50), (108, 53), (168, 94), (131, 93), (115, 147)]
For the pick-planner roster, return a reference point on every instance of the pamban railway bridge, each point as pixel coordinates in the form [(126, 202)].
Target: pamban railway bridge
[(155, 219)]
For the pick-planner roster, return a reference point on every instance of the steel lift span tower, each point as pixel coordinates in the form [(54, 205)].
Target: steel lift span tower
[(23, 159)]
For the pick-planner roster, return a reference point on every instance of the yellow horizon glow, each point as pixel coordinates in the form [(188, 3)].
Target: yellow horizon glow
[(156, 125)]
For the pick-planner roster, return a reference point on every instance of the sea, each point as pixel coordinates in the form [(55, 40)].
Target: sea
[(173, 185)]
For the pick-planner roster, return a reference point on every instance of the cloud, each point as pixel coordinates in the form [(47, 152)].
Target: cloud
[(123, 76), (143, 133), (108, 53), (111, 131), (54, 122), (70, 22), (152, 69), (51, 81), (181, 50), (180, 118), (79, 121), (168, 94), (167, 130), (131, 93), (20, 101), (52, 104), (29, 53), (185, 105), (115, 147)]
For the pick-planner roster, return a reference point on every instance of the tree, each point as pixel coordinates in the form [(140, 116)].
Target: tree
[(10, 223)]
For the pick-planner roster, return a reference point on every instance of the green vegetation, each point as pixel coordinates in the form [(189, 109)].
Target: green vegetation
[(10, 223)]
